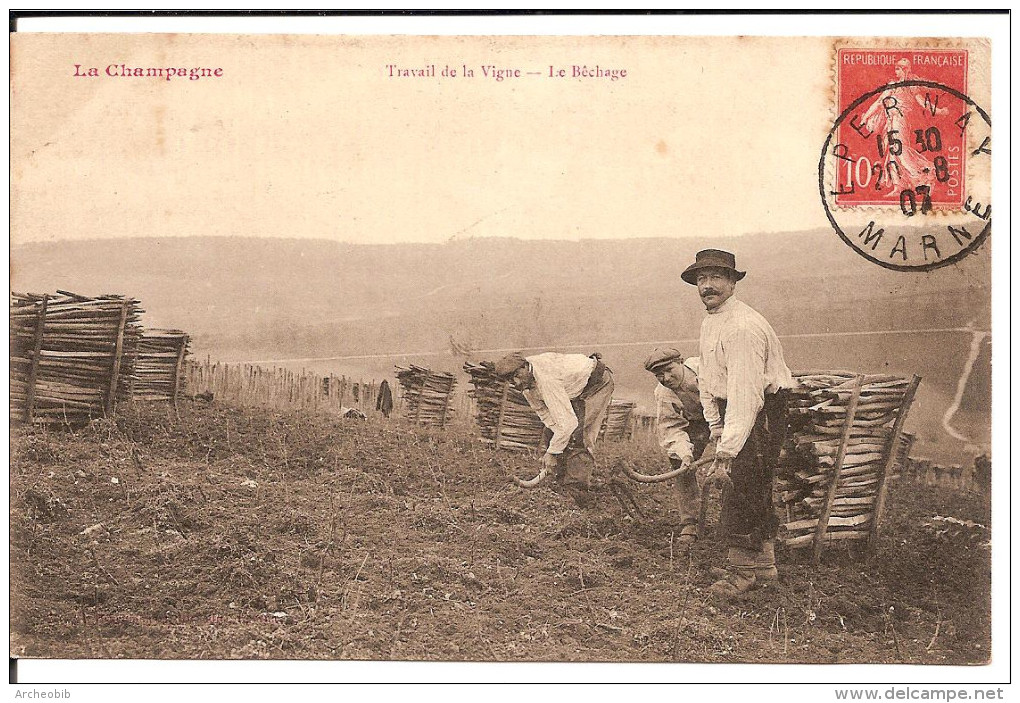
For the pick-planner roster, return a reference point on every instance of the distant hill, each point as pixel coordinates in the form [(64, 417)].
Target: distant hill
[(271, 299), (288, 297)]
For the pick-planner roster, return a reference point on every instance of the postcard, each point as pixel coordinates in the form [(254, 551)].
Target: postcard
[(617, 348)]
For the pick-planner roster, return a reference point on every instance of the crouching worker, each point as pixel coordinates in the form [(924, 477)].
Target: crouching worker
[(683, 433), (570, 393)]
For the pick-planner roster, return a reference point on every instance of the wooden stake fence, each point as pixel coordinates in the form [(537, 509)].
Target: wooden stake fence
[(250, 385), (955, 476)]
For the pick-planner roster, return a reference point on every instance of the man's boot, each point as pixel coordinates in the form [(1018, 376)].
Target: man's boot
[(689, 502), (739, 575), (578, 465), (686, 539), (765, 563)]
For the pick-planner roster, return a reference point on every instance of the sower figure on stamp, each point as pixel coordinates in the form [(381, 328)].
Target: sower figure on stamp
[(894, 112), (570, 393), (682, 431), (744, 384)]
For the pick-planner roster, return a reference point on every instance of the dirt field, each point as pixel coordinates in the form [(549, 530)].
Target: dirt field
[(214, 532)]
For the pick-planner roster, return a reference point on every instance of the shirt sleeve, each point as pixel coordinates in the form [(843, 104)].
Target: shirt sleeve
[(745, 388), (538, 406), (555, 411), (711, 411), (672, 428)]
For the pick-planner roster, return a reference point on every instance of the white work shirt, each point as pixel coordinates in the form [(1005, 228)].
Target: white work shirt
[(558, 378), (741, 361)]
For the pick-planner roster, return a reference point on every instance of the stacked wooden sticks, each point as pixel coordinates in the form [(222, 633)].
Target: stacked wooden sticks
[(426, 394), (159, 369), (618, 424), (503, 414), (72, 357), (846, 433)]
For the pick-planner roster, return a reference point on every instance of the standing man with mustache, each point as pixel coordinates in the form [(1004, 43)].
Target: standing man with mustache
[(743, 382)]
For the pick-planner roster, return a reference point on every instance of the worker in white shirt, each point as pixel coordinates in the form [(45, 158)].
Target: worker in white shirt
[(744, 383), (570, 393)]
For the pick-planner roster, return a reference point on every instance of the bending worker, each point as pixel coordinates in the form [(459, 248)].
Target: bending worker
[(682, 431), (570, 393)]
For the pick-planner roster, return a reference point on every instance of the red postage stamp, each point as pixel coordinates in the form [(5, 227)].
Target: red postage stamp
[(904, 144)]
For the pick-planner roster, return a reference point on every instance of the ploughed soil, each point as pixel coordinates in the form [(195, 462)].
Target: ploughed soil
[(216, 532)]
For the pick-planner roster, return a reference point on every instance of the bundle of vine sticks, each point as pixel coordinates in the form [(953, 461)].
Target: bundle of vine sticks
[(501, 411), (845, 438), (426, 394), (72, 357), (618, 423), (159, 368)]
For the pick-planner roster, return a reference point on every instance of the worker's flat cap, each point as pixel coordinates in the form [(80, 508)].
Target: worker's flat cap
[(508, 365), (661, 358)]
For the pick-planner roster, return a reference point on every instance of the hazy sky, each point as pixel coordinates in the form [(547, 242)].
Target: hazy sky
[(311, 136)]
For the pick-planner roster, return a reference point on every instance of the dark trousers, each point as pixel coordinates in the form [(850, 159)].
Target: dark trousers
[(748, 516), (700, 435)]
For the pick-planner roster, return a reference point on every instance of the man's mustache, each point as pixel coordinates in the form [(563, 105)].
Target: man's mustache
[(709, 291)]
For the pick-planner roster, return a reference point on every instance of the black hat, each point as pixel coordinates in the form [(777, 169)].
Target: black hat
[(708, 258)]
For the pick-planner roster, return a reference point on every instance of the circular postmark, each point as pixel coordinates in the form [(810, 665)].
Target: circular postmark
[(905, 175)]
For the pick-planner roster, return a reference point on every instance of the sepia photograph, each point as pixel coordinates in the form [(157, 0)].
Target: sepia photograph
[(529, 347)]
